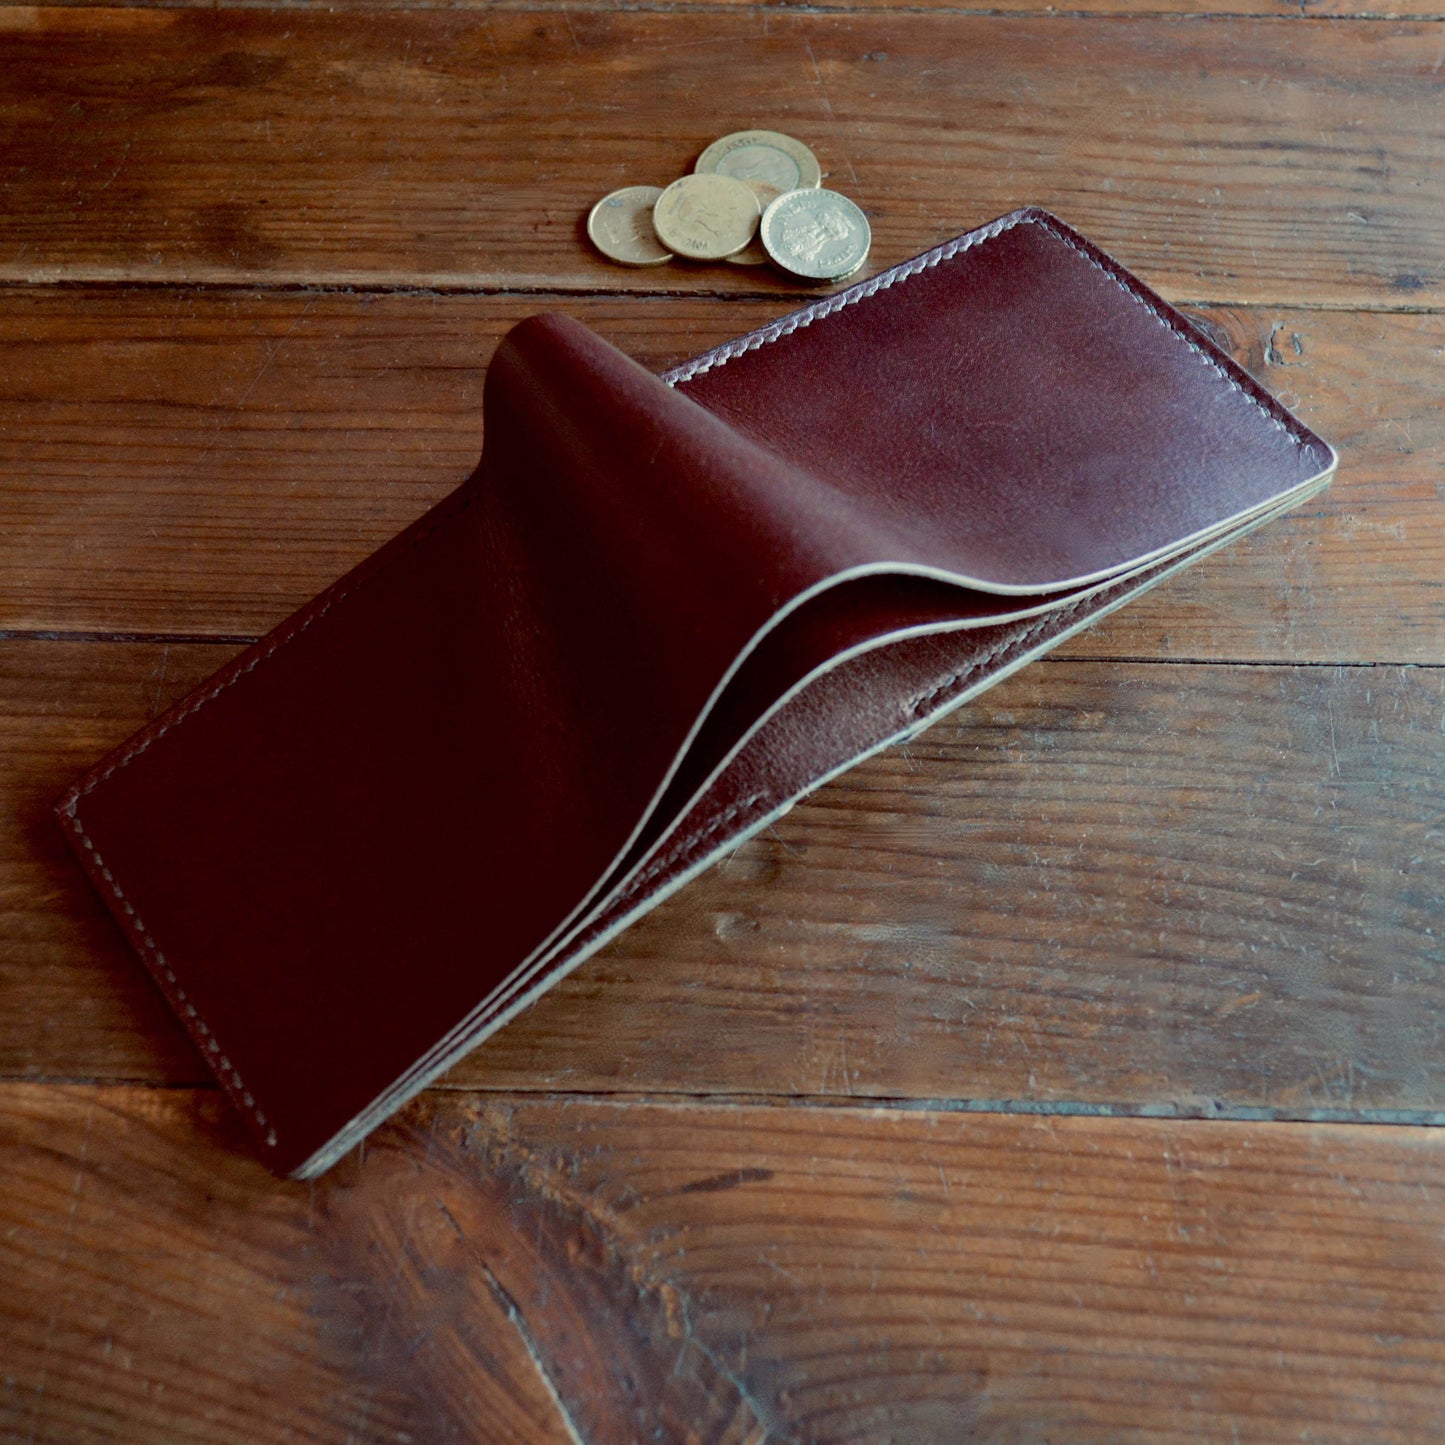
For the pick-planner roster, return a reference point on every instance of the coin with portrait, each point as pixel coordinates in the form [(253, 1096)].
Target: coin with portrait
[(620, 226), (706, 217)]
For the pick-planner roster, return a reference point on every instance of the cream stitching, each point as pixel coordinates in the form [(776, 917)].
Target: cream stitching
[(1168, 322), (918, 704), (721, 821), (229, 1075), (912, 709), (266, 652), (854, 294), (799, 320)]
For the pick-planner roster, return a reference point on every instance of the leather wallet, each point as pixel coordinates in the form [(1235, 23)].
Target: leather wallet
[(659, 612)]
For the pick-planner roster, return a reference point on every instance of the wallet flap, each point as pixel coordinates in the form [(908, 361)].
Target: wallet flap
[(1075, 423)]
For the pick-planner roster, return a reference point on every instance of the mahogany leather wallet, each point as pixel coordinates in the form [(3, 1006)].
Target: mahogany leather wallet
[(659, 612)]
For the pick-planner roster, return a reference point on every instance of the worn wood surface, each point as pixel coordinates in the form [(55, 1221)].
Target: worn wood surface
[(202, 1306), (1284, 9), (142, 435), (764, 1169), (1014, 907), (724, 1274), (1284, 163)]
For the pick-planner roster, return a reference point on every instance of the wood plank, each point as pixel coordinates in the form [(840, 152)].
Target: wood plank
[(1172, 888), (1372, 547), (1189, 889), (723, 1274), (158, 1287), (462, 149), (1297, 10), (145, 434)]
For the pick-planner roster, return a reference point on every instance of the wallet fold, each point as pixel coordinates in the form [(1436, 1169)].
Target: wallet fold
[(660, 611)]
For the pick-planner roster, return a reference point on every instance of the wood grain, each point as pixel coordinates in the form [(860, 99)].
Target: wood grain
[(151, 1293), (144, 434), (1297, 10), (720, 1273), (1203, 890), (440, 148)]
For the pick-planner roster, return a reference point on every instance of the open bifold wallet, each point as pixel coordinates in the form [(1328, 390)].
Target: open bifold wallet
[(659, 612)]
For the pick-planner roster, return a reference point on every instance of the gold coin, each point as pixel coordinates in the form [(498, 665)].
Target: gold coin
[(762, 155), (620, 226), (818, 235), (706, 217), (755, 253)]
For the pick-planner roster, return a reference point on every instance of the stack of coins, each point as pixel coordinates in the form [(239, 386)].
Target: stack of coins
[(754, 196)]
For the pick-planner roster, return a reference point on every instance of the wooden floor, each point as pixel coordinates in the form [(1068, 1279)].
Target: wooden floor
[(1072, 1075)]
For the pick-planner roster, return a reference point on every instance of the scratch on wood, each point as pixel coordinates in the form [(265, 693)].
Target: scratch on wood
[(729, 1180), (160, 680), (120, 166), (745, 1395), (582, 1244), (514, 1314), (77, 1188)]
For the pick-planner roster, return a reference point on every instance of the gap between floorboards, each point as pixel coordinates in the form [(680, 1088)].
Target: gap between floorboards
[(1203, 1111)]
